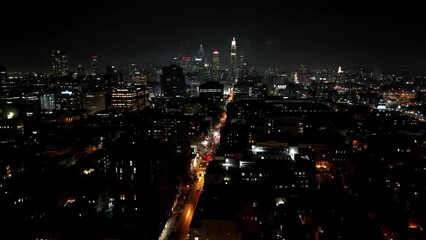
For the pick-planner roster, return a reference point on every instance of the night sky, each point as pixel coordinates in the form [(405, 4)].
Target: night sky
[(285, 34)]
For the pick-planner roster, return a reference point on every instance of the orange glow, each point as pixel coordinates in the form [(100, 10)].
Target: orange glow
[(90, 149), (412, 224), (322, 165)]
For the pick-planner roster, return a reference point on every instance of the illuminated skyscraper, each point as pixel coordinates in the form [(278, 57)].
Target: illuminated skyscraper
[(242, 65), (199, 60), (233, 67), (59, 63), (47, 102), (201, 51), (185, 59), (216, 65), (130, 97), (95, 67)]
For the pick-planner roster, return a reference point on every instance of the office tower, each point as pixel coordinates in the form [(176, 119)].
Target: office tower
[(339, 77), (80, 70), (242, 65), (59, 63), (11, 84), (303, 75), (111, 70), (3, 81), (377, 74), (216, 65), (67, 100), (95, 67), (173, 81), (93, 101), (212, 91), (185, 61), (47, 102), (199, 60), (233, 67), (130, 97), (201, 51)]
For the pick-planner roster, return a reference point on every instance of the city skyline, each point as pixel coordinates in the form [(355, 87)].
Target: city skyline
[(237, 120), (286, 35)]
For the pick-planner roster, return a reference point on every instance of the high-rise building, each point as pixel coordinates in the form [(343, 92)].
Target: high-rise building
[(199, 60), (12, 84), (95, 67), (67, 101), (201, 50), (339, 77), (3, 81), (216, 65), (80, 70), (173, 81), (111, 70), (93, 101), (242, 65), (130, 97), (212, 91), (47, 102), (233, 67), (377, 74), (303, 75), (59, 63), (185, 59)]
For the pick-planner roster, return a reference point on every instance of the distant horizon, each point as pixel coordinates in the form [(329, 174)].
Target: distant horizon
[(46, 67), (318, 34)]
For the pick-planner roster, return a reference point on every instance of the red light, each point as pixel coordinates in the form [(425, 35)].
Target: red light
[(215, 51)]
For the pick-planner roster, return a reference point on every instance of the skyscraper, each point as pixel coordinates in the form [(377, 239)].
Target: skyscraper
[(233, 67), (199, 60), (3, 81), (59, 63), (80, 70), (201, 50), (173, 81), (216, 65), (242, 67), (95, 67)]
